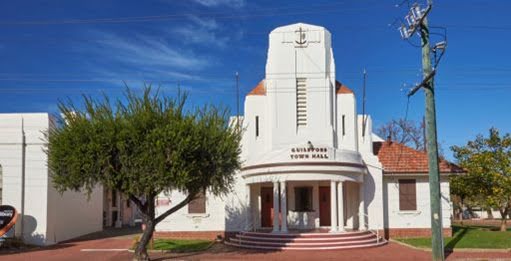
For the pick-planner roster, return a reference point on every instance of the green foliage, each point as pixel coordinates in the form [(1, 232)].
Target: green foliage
[(488, 163), (143, 147)]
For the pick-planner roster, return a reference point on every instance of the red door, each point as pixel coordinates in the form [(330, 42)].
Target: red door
[(266, 207), (324, 206)]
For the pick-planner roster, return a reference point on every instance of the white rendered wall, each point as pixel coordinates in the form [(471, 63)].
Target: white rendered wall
[(181, 220), (373, 192), (43, 214), (346, 106), (11, 160), (365, 140), (351, 203), (71, 215), (255, 105), (422, 217), (36, 173)]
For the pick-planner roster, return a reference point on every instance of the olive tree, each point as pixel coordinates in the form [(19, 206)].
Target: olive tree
[(144, 145)]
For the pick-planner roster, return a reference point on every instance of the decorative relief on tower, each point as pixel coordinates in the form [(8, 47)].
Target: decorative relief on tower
[(300, 37)]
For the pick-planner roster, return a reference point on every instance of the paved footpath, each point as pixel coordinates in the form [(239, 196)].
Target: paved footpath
[(111, 249)]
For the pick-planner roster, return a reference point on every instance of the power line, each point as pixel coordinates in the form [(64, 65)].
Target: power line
[(261, 12)]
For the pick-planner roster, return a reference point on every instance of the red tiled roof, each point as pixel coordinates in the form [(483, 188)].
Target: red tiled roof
[(398, 158), (341, 88), (259, 89)]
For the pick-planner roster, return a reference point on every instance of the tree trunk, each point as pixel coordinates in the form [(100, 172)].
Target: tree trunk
[(141, 248), (489, 212), (503, 223), (149, 221), (461, 210)]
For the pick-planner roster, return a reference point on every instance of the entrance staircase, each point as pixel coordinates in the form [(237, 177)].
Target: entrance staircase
[(306, 241)]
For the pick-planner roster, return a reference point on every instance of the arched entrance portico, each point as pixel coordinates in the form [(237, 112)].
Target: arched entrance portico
[(324, 195)]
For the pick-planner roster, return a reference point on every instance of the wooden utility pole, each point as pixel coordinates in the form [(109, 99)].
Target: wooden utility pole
[(431, 141), (418, 22)]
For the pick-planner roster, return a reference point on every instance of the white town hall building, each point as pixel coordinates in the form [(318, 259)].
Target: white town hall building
[(309, 161)]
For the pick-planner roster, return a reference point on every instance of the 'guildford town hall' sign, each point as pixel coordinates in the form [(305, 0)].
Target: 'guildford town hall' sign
[(8, 216), (309, 153)]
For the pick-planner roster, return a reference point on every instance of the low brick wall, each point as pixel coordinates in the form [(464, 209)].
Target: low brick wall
[(481, 222), (413, 232)]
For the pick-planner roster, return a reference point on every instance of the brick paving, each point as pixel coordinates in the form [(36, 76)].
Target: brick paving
[(392, 251)]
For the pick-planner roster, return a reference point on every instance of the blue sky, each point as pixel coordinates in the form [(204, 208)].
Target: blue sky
[(51, 50)]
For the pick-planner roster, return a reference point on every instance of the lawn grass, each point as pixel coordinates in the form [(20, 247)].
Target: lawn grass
[(468, 237), (179, 245)]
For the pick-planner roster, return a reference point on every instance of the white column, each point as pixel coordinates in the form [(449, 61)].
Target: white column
[(283, 205), (248, 209), (361, 207), (333, 206), (340, 198), (276, 207)]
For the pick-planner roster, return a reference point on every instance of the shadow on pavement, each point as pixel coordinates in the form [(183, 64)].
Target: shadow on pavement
[(34, 249), (216, 249), (124, 232)]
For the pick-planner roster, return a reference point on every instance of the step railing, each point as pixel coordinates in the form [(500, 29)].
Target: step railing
[(378, 226)]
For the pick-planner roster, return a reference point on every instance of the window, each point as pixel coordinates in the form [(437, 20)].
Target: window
[(343, 125), (198, 205), (301, 102), (257, 126), (303, 199), (407, 194)]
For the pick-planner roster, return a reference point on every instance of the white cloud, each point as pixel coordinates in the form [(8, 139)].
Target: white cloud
[(207, 23), (149, 51), (201, 31), (214, 3), (200, 36)]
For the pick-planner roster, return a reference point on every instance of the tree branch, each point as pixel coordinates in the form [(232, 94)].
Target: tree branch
[(140, 205), (183, 203)]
